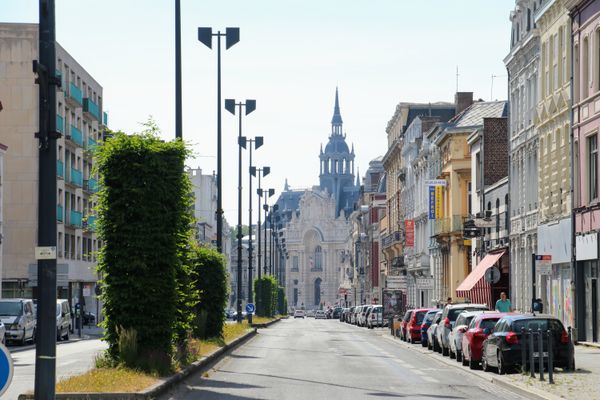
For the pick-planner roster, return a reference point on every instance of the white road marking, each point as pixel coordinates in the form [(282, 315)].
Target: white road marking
[(430, 379), (418, 372)]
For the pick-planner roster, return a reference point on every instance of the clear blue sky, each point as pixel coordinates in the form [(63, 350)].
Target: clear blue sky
[(290, 58)]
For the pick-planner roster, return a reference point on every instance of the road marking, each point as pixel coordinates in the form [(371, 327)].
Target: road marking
[(430, 379), (418, 372)]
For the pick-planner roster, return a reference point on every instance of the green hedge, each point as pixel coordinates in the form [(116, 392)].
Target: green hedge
[(211, 282), (144, 223), (272, 299)]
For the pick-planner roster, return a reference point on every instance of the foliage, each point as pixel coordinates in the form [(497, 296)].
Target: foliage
[(233, 232), (128, 346), (211, 281), (266, 289), (281, 301), (144, 223), (100, 380)]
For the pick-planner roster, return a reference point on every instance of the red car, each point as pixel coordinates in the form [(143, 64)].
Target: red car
[(479, 329), (404, 323), (413, 326)]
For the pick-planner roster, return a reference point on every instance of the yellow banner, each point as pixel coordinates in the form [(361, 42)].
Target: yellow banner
[(439, 203)]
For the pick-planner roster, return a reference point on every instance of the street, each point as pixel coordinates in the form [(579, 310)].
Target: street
[(72, 358), (318, 359)]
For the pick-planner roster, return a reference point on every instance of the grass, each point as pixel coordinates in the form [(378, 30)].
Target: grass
[(127, 380), (263, 320)]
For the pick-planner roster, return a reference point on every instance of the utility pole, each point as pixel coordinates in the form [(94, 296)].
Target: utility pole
[(45, 69)]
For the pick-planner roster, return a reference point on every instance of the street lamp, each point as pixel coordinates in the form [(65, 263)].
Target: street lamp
[(262, 193), (230, 105), (264, 171), (257, 141), (232, 36)]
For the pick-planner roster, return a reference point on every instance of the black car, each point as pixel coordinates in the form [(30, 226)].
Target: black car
[(502, 348), (337, 312)]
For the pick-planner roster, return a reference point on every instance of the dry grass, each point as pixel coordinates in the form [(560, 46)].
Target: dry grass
[(263, 320), (128, 381), (107, 380)]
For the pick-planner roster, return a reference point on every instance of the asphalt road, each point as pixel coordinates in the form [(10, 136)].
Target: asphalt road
[(325, 359), (72, 358)]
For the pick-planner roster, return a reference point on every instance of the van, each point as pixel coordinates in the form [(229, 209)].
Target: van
[(63, 320), (19, 319)]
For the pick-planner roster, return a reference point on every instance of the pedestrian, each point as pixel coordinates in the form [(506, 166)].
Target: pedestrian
[(449, 300), (503, 304)]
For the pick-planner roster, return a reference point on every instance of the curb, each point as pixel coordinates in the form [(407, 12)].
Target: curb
[(266, 324), (589, 345), (529, 393), (161, 387)]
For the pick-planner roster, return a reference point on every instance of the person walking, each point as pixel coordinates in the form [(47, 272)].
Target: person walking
[(503, 304)]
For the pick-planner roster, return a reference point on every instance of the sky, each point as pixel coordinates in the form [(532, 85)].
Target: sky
[(290, 59)]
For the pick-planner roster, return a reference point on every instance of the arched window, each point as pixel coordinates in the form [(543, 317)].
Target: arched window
[(318, 258), (317, 292)]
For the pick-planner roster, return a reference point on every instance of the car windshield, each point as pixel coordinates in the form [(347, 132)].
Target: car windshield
[(429, 317), (537, 324), (420, 316), (488, 323), (407, 316), (11, 308), (455, 312)]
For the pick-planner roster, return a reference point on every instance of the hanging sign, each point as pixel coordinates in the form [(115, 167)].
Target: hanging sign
[(431, 202), (409, 232), (439, 210)]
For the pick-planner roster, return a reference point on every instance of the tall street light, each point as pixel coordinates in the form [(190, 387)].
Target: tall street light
[(232, 36), (264, 171), (257, 141), (250, 106), (266, 194), (45, 69), (178, 112)]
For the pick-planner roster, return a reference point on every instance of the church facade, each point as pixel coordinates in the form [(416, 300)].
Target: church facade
[(317, 228)]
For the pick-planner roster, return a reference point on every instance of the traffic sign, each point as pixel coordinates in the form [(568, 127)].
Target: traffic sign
[(250, 308), (6, 369), (492, 275), (543, 264)]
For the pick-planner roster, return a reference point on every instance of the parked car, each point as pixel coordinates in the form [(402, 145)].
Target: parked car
[(351, 315), (299, 314), (63, 320), (451, 312), (328, 313), (413, 326), (2, 333), (432, 342), (19, 320), (427, 321), (472, 341), (356, 315), (456, 335), (344, 314), (368, 310), (337, 312), (311, 313), (404, 323), (320, 314), (502, 348), (375, 317)]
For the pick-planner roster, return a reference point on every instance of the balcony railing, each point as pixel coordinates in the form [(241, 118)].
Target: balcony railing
[(76, 136), (92, 185), (390, 239), (60, 215), (91, 144), (76, 177), (60, 168), (91, 223), (105, 118), (92, 108), (60, 124), (75, 93), (445, 226), (75, 218)]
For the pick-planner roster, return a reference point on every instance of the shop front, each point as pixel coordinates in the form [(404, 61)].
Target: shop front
[(586, 281)]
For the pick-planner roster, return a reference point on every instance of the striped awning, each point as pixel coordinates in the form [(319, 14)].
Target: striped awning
[(475, 286)]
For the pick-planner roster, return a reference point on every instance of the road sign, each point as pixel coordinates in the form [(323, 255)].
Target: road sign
[(543, 264), (249, 308), (6, 369), (492, 275)]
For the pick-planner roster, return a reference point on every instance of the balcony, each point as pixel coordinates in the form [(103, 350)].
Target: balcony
[(105, 119), (60, 124), (76, 136), (91, 185), (75, 94), (75, 218), (391, 239), (60, 169), (91, 108), (60, 215), (76, 177), (91, 144), (91, 223), (446, 226)]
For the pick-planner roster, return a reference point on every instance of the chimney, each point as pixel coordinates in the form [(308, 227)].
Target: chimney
[(462, 100)]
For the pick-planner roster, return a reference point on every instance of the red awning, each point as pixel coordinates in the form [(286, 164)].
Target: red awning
[(476, 280)]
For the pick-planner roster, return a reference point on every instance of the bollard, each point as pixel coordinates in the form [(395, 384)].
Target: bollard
[(541, 353), (531, 363), (523, 354), (550, 358)]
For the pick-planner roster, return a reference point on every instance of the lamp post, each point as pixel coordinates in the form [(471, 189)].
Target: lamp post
[(232, 36), (250, 106), (266, 193), (257, 141)]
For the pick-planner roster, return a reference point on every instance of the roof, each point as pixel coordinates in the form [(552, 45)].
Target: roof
[(445, 113), (337, 144), (476, 112), (337, 116)]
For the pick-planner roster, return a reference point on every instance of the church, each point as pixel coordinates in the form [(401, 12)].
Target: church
[(317, 227)]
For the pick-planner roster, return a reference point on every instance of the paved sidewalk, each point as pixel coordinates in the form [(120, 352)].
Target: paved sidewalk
[(580, 384)]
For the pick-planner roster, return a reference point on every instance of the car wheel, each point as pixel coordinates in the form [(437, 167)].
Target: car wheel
[(424, 343), (464, 360), (66, 337), (428, 344), (445, 351), (502, 369), (459, 356), (473, 364), (484, 364), (436, 345)]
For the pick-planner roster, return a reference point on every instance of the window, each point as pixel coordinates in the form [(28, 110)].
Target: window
[(497, 220), (585, 77), (506, 214), (295, 263), (592, 147), (555, 58), (318, 258), (576, 82)]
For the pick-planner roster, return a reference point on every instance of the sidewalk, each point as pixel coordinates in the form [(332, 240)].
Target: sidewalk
[(581, 384)]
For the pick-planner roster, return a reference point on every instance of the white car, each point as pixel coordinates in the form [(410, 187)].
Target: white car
[(456, 334), (299, 314), (320, 314), (375, 317), (19, 320), (310, 313)]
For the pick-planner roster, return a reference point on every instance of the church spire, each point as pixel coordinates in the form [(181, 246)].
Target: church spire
[(336, 121)]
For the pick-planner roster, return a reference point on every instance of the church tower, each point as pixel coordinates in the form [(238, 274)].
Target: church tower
[(337, 165)]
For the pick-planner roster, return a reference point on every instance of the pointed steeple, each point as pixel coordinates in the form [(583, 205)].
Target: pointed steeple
[(286, 187), (336, 121)]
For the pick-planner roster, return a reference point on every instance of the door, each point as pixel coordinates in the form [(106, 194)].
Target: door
[(595, 310)]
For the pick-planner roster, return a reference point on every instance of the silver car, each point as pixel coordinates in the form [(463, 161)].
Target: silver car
[(449, 316), (18, 317), (456, 335)]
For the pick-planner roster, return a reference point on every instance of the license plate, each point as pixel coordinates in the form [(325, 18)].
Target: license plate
[(536, 354)]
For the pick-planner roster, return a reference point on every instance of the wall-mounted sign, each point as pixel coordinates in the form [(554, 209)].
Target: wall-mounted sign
[(409, 232), (543, 264), (425, 283), (431, 202), (439, 203), (435, 182)]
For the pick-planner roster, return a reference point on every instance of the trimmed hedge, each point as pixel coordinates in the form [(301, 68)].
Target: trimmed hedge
[(211, 282), (144, 223), (272, 297)]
